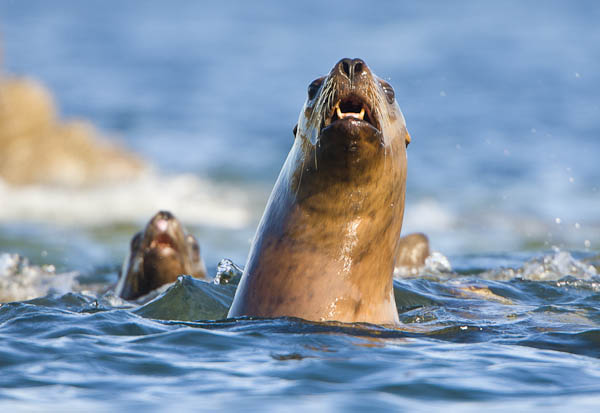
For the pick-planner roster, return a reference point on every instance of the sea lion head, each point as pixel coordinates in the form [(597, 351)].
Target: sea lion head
[(351, 117), (158, 255)]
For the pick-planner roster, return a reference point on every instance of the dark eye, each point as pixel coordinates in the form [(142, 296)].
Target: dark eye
[(389, 92), (313, 88)]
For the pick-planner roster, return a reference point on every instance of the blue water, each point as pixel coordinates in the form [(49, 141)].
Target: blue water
[(502, 103)]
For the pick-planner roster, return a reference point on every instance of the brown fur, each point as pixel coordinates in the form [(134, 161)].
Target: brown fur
[(326, 245), (158, 256), (413, 251)]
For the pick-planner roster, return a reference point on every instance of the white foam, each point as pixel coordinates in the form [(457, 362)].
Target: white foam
[(547, 268), (193, 200), (21, 281), (556, 266), (436, 263)]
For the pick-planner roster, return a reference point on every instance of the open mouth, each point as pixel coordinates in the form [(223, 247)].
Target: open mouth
[(162, 241), (351, 107)]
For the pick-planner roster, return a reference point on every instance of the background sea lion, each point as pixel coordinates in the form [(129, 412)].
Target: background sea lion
[(413, 251), (327, 242), (158, 255)]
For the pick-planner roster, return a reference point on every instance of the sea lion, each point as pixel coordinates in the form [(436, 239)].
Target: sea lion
[(413, 251), (327, 242), (157, 256)]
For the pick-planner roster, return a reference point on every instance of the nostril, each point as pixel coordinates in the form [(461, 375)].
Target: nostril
[(358, 67), (351, 68), (346, 68)]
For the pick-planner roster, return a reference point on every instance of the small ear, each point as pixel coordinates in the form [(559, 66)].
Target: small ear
[(407, 138), (295, 130)]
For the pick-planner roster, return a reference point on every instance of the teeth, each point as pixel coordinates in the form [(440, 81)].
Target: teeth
[(343, 115)]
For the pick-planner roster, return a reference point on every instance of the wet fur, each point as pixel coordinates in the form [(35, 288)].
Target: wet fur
[(326, 245), (149, 266)]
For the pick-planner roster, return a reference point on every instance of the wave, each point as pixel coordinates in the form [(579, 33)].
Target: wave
[(20, 280)]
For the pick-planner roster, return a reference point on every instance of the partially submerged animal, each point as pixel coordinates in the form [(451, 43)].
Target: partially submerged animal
[(413, 251), (327, 243), (158, 255)]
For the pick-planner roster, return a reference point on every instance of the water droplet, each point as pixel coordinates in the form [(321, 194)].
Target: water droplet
[(577, 226), (442, 93), (571, 179), (587, 243), (557, 220), (227, 272)]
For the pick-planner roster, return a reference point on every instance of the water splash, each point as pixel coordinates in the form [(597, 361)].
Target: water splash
[(19, 280), (228, 273), (436, 263), (552, 267)]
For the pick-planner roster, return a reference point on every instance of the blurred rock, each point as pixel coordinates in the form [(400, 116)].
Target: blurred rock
[(36, 148)]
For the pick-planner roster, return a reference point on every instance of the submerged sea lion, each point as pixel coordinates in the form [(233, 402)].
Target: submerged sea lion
[(158, 255), (326, 245), (413, 251)]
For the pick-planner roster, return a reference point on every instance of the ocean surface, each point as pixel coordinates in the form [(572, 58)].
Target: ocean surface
[(502, 100)]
